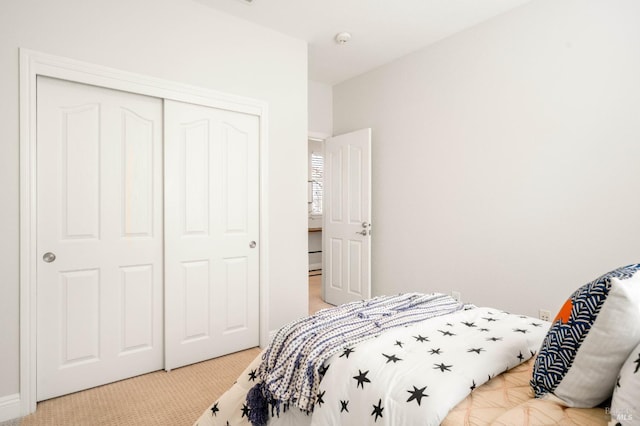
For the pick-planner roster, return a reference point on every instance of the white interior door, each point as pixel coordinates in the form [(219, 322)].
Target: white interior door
[(211, 232), (347, 218), (99, 198)]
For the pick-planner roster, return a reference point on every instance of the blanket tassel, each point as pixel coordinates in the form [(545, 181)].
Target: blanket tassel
[(258, 406)]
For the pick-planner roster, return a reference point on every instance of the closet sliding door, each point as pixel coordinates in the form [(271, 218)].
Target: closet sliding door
[(211, 177), (99, 236), (116, 236)]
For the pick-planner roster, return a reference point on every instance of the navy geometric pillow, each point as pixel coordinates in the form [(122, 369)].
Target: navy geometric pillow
[(589, 340)]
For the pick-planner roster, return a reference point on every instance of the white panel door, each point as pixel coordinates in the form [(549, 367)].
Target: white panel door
[(99, 198), (346, 231), (211, 232)]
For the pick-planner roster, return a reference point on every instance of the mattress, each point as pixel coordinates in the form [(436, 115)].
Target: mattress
[(468, 367)]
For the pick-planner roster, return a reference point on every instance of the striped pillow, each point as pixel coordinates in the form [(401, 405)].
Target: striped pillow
[(589, 340)]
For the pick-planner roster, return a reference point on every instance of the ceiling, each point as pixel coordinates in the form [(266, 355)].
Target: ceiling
[(382, 30)]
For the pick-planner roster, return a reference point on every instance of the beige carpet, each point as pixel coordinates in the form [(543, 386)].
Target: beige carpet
[(160, 398), (175, 398)]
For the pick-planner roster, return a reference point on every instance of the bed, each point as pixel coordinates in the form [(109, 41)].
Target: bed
[(464, 365)]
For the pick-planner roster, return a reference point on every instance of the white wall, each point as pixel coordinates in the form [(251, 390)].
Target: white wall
[(320, 108), (505, 158), (178, 40)]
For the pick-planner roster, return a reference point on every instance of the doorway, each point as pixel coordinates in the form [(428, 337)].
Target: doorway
[(315, 201), (340, 227)]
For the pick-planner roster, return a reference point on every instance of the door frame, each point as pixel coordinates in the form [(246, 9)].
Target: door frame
[(34, 64)]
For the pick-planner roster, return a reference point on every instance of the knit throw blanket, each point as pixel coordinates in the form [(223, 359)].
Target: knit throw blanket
[(291, 367)]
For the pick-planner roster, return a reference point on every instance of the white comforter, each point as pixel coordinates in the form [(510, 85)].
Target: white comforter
[(411, 375)]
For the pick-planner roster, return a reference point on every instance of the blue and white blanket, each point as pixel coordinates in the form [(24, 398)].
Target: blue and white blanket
[(406, 375), (292, 365)]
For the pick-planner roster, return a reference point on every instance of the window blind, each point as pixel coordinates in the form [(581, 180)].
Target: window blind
[(317, 175)]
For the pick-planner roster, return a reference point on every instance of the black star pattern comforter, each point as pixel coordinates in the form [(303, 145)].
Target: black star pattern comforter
[(412, 375)]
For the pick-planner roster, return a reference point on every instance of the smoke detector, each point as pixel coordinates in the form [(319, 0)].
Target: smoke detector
[(247, 2), (343, 37)]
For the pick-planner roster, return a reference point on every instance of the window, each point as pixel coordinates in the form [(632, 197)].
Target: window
[(317, 174)]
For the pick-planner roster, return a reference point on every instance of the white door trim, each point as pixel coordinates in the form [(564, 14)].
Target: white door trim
[(34, 63), (318, 136)]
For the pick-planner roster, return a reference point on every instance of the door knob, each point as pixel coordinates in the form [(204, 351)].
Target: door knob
[(49, 257), (366, 224), (363, 232), (252, 244)]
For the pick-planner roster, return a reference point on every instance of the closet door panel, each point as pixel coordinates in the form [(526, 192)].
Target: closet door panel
[(138, 175), (212, 221), (99, 236)]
